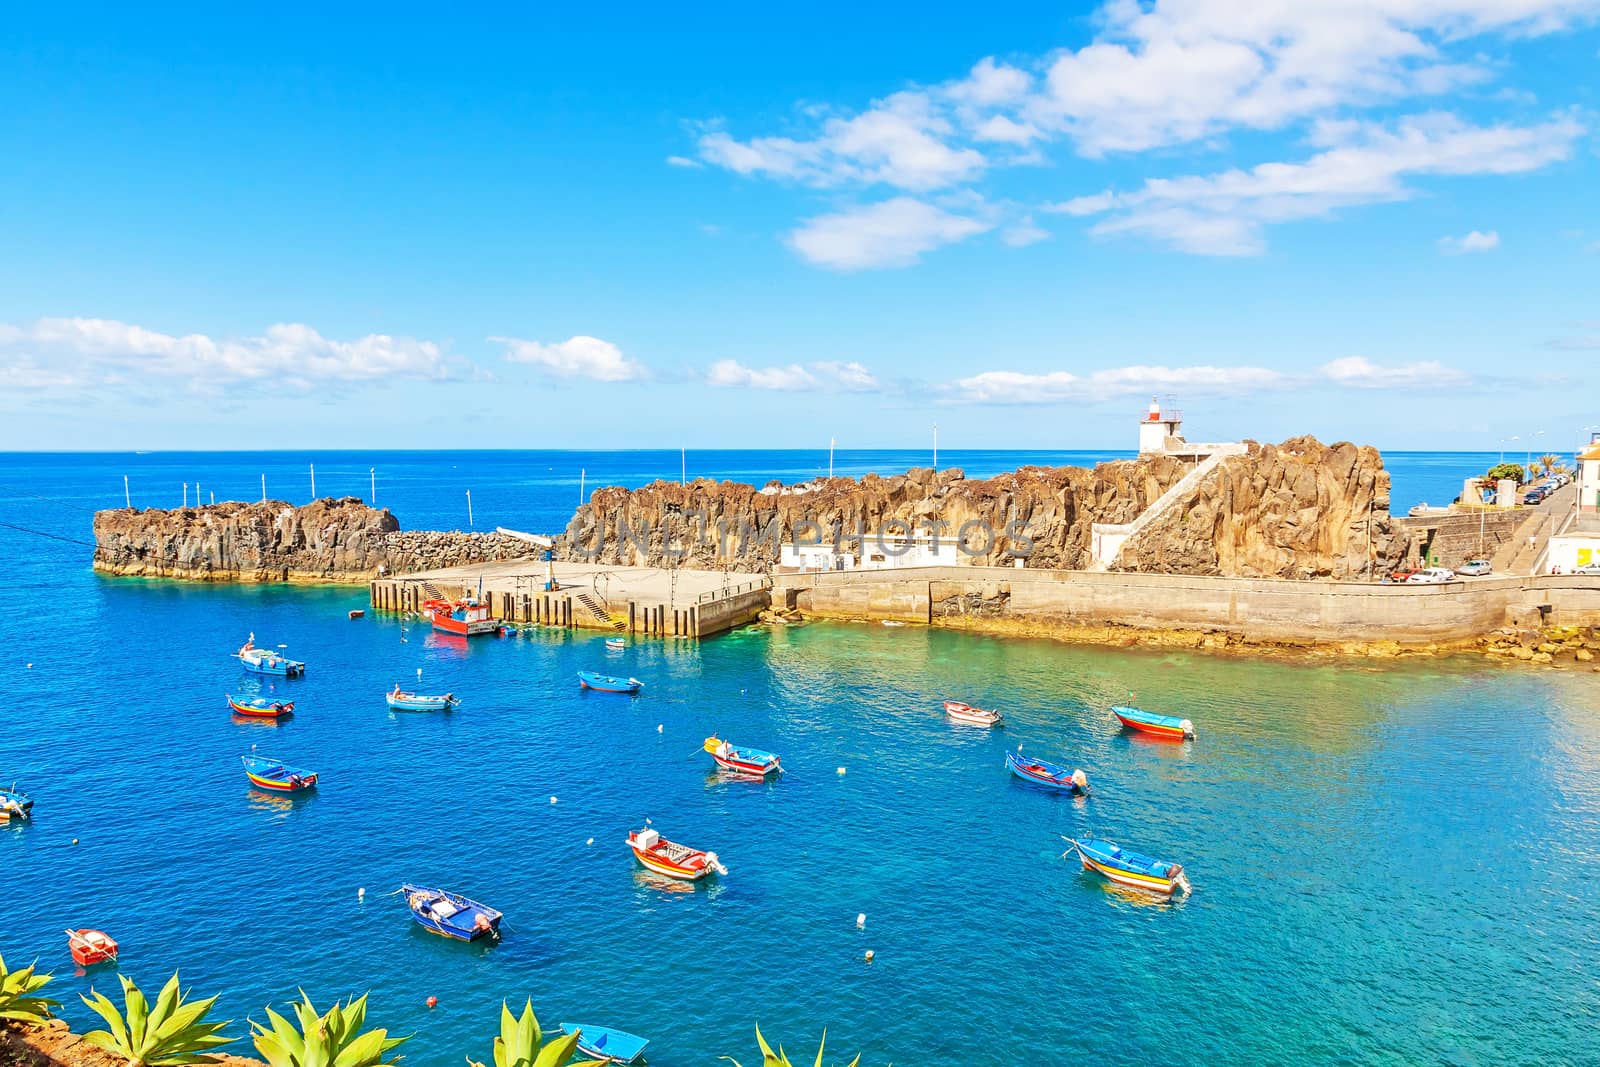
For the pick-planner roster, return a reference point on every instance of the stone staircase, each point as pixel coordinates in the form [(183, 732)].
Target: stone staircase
[(599, 612), (1110, 537)]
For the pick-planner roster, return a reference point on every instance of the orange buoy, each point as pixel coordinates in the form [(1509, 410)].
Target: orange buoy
[(433, 1002)]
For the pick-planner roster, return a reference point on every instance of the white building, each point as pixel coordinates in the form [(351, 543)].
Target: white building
[(1158, 425), (1589, 476), (810, 558)]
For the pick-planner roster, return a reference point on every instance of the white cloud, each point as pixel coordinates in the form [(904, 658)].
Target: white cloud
[(1361, 163), (1358, 372), (892, 233), (1023, 232), (1158, 73), (684, 161), (576, 357), (794, 377), (61, 351), (1471, 242), (1352, 372), (1016, 387)]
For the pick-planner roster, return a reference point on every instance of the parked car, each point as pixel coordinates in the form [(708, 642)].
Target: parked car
[(1401, 575), (1534, 496), (1475, 567), (1432, 576), (1588, 568)]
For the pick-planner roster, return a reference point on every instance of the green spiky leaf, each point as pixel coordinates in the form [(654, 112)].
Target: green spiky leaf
[(170, 1034)]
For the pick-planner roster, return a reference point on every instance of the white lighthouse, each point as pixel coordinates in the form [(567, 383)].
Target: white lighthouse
[(1156, 425)]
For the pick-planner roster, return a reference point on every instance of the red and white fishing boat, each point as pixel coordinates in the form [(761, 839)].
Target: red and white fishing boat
[(967, 713), (741, 760), (671, 859), (467, 617), (90, 947)]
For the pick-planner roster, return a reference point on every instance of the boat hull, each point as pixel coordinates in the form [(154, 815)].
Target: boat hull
[(446, 625), (275, 710), (420, 703), (601, 683), (747, 767), (1048, 775), (966, 713), (461, 924), (1163, 726), (14, 806), (91, 947), (606, 1043), (1131, 869)]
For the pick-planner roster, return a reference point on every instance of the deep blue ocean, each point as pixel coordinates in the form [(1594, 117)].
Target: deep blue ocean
[(1392, 863)]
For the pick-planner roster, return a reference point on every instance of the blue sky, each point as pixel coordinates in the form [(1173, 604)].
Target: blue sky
[(726, 228)]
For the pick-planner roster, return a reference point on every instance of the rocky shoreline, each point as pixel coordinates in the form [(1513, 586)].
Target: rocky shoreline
[(326, 541)]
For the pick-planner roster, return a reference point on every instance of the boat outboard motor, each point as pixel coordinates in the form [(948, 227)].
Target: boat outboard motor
[(1080, 780)]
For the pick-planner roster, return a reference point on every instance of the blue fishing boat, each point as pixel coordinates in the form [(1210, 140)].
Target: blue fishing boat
[(606, 1042), (605, 683), (451, 914), (1130, 868), (273, 774), (14, 805), (1053, 775), (399, 701), (1148, 722), (266, 661)]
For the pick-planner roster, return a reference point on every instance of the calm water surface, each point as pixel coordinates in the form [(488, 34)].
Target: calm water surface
[(1391, 865)]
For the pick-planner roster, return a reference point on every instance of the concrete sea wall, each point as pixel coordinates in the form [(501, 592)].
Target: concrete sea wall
[(1253, 610)]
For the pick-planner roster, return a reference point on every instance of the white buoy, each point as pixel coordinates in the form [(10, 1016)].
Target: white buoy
[(861, 921), (841, 770), (552, 800), (590, 841), (361, 894), (30, 666), (419, 672), (870, 954)]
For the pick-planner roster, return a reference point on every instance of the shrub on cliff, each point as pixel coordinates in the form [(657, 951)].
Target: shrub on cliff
[(331, 1039), (17, 1001), (171, 1033), (781, 1058), (519, 1043)]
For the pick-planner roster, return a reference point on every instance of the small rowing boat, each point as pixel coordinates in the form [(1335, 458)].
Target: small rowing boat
[(14, 805), (670, 858), (266, 661), (261, 708), (451, 914), (273, 774), (89, 947), (615, 644), (968, 714), (1148, 722), (751, 761), (1053, 775), (1131, 868), (605, 683), (607, 1043), (400, 701)]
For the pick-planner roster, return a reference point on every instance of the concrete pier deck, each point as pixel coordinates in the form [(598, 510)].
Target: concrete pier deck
[(643, 600)]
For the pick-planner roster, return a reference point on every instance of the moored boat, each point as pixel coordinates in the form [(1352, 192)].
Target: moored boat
[(607, 1043), (467, 617), (671, 859), (401, 701), (89, 947), (451, 914), (1053, 775), (1131, 868), (260, 707), (275, 775), (605, 683), (741, 760), (616, 644), (968, 714), (14, 805), (1148, 722), (266, 661)]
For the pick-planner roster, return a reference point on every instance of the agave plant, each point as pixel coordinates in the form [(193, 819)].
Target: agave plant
[(333, 1039), (173, 1032), (779, 1058), (17, 1000), (519, 1043)]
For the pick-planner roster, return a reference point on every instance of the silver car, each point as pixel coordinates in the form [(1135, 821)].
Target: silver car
[(1475, 567)]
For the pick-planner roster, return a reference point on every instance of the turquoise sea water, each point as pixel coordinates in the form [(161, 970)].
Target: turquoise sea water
[(1392, 863)]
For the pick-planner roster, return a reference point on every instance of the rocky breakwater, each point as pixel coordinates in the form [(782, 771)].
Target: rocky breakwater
[(327, 540), (1300, 509), (1044, 515)]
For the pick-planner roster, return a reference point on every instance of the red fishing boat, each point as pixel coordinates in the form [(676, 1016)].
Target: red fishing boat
[(261, 708), (467, 617), (90, 947), (670, 858)]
